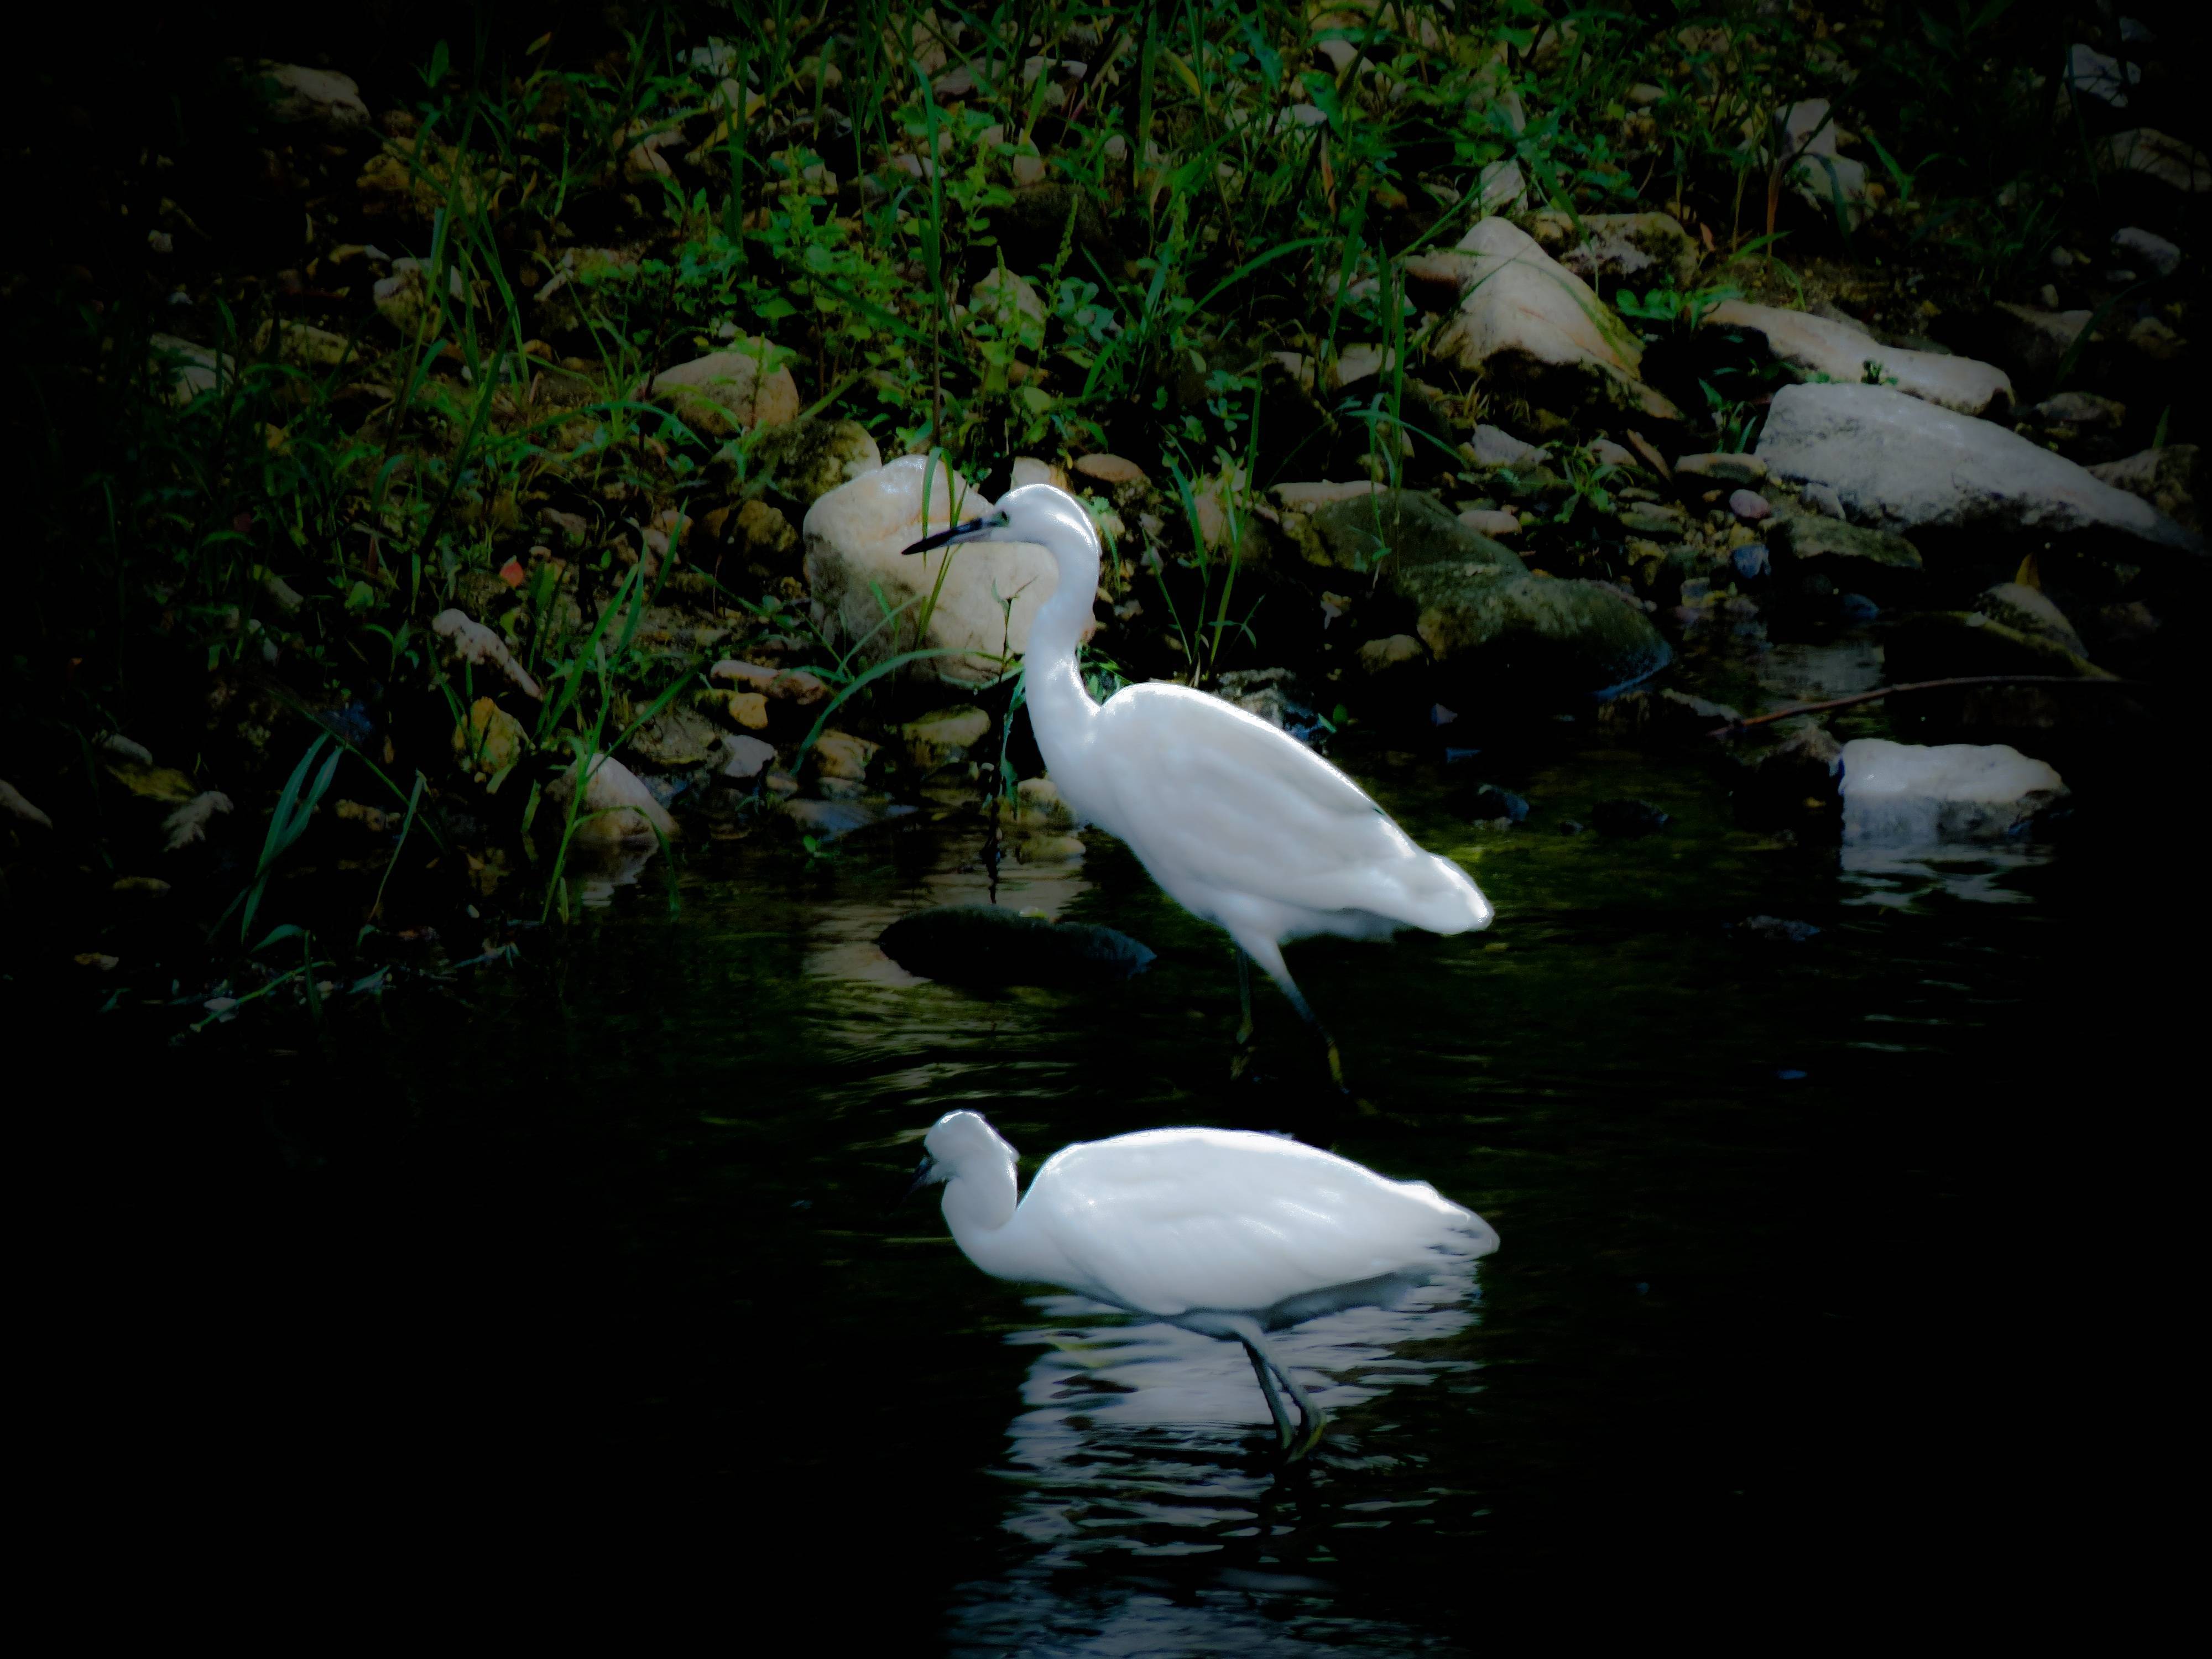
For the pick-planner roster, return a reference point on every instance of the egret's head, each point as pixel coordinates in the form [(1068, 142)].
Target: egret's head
[(1043, 514), (955, 1143)]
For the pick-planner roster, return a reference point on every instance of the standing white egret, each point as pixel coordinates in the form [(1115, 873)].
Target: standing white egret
[(1243, 824), (1222, 1231)]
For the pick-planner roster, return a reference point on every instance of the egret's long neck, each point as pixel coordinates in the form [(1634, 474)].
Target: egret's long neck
[(1059, 705), (978, 1205)]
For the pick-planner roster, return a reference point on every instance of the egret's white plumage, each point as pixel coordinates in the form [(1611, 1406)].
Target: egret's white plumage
[(1241, 824), (1218, 1231)]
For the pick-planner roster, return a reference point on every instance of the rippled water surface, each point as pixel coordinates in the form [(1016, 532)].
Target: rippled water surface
[(1791, 1251)]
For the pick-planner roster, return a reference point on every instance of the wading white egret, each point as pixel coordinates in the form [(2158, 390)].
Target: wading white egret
[(1222, 1231), (1240, 823)]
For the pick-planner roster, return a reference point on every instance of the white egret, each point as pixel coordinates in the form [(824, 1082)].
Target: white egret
[(1240, 823), (1222, 1231)]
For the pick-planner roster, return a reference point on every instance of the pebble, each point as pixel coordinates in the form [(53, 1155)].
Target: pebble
[(1749, 506), (1491, 803), (1752, 561)]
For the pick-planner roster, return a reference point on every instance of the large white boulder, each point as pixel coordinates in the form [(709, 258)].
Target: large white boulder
[(856, 536), (1899, 463), (1820, 345), (1905, 794), (1523, 314)]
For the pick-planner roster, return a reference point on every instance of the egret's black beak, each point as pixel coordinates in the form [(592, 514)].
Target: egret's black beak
[(953, 534), (922, 1172)]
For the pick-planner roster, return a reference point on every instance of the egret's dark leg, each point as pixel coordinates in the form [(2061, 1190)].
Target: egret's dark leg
[(1313, 1422), (1282, 1428), (1243, 1059), (1269, 956)]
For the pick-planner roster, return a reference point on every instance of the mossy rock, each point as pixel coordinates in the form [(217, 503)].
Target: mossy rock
[(802, 460), (1488, 622)]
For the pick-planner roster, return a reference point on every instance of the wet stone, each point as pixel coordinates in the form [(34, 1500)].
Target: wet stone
[(987, 947), (1491, 803), (1774, 930)]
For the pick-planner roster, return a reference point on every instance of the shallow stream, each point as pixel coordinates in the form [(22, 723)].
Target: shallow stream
[(1788, 1229)]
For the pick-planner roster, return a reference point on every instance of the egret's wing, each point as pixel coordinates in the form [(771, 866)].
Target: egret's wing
[(1207, 792), (1179, 1219)]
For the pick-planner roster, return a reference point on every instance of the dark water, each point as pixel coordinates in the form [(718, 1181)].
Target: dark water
[(1825, 1273)]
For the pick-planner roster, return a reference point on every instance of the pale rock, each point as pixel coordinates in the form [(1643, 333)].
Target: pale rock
[(490, 740), (2093, 75), (1009, 303), (189, 823), (125, 748), (1029, 470), (1501, 187), (1359, 362), (1488, 521), (1495, 446), (471, 641), (1898, 794), (192, 369), (1606, 452), (1028, 170), (676, 739), (312, 97), (1899, 464), (2155, 156), (1722, 468), (1819, 175), (939, 739), (856, 537), (744, 757), (1527, 316), (728, 392), (1109, 469), (1818, 345), (617, 806), (2154, 253), (2167, 479), (1376, 655), (841, 755), (1305, 497), (12, 802)]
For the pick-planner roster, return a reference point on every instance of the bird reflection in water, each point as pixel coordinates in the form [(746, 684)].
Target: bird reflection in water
[(1149, 1518)]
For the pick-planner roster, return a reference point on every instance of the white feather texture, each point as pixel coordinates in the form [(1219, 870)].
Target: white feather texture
[(1239, 822), (1184, 1223)]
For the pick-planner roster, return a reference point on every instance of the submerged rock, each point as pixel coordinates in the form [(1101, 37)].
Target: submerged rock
[(981, 944), (1898, 794), (1775, 930), (1900, 463), (856, 563)]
